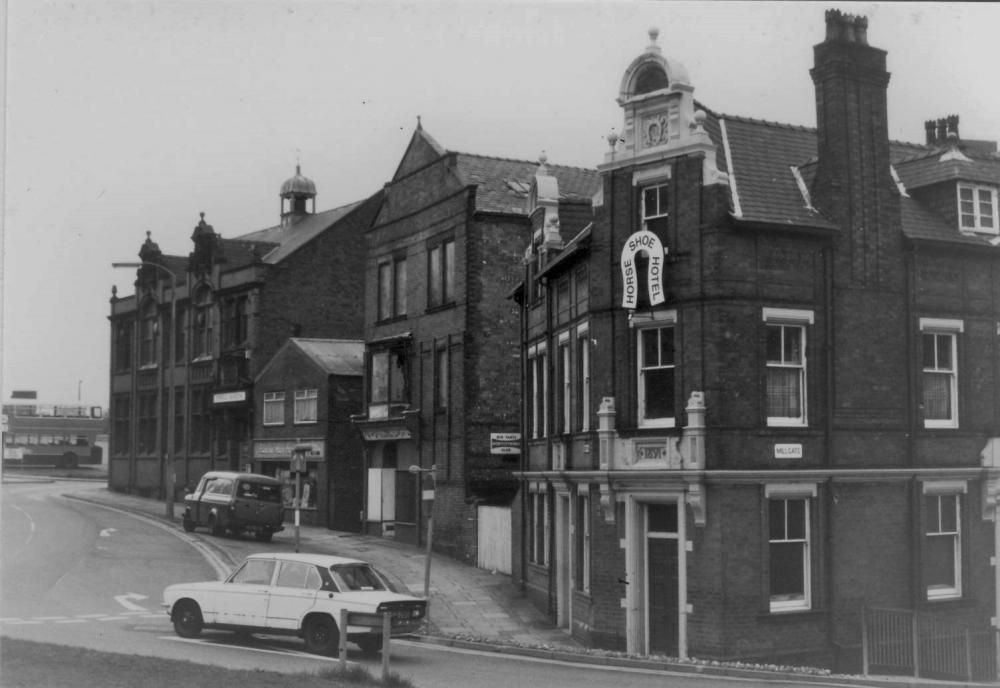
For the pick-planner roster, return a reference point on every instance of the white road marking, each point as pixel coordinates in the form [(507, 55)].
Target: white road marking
[(123, 600), (66, 621), (31, 523), (107, 532), (287, 653)]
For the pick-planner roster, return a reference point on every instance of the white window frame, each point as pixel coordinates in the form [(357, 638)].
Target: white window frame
[(661, 212), (583, 351), (977, 216), (302, 396), (536, 371), (539, 516), (659, 320), (785, 492), (272, 400), (942, 327), (938, 489), (800, 319), (565, 363)]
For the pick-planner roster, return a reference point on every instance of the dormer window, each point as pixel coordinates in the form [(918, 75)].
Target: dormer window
[(977, 208)]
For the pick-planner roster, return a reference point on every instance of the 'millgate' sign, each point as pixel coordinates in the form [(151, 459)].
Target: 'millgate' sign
[(650, 244)]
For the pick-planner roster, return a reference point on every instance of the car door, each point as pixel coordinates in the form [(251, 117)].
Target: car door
[(293, 594), (242, 600)]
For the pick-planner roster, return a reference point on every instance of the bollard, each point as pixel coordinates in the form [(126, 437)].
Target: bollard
[(342, 649), (386, 638)]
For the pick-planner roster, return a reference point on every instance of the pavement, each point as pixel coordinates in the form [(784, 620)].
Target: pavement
[(469, 607)]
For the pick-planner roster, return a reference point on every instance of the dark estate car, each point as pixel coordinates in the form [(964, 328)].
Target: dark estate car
[(237, 503)]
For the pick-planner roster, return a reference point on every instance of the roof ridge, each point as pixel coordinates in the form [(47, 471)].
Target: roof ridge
[(525, 162), (768, 122)]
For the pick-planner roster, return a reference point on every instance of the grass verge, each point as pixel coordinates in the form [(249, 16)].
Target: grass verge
[(29, 664)]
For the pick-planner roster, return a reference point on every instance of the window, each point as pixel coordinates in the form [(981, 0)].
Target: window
[(656, 376), (538, 527), (564, 303), (235, 319), (564, 371), (392, 288), (203, 331), (388, 377), (149, 333), (123, 346), (942, 552), (294, 574), (121, 421), (940, 372), (147, 423), (180, 335), (441, 274), (789, 565), (254, 572), (583, 378), (443, 380), (274, 408), (654, 209), (977, 208), (538, 389), (305, 405), (201, 430), (582, 536), (785, 396), (179, 433)]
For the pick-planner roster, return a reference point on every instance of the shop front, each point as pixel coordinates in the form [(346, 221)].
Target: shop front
[(273, 457)]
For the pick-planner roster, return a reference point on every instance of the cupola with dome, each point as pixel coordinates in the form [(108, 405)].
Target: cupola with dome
[(295, 192), (660, 119)]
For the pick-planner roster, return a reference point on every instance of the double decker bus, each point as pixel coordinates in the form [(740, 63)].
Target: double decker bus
[(37, 433)]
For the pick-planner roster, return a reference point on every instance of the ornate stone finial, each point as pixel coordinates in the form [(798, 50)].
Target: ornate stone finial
[(149, 235), (654, 33), (202, 214), (612, 139), (114, 291), (542, 158), (699, 120), (419, 125)]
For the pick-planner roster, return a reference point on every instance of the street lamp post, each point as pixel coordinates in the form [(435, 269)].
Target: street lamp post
[(172, 410), (417, 470)]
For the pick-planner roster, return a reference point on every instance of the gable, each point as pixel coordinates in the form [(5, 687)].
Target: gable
[(422, 151)]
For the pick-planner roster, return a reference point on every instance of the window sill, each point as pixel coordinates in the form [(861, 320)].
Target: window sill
[(273, 425), (792, 614), (940, 425), (786, 423), (391, 319), (305, 422), (149, 366)]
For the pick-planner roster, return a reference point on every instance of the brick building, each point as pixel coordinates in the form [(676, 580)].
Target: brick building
[(762, 384), (442, 343), (305, 396), (237, 302)]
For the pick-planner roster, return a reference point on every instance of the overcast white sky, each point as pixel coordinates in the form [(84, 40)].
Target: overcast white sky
[(128, 116)]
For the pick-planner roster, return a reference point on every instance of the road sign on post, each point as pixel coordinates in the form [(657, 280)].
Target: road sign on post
[(298, 467)]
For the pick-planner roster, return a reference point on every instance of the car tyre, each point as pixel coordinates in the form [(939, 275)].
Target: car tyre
[(263, 535), (187, 619), (321, 635), (214, 527), (370, 645), (189, 525)]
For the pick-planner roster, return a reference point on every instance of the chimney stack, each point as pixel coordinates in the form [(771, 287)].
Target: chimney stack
[(853, 184), (942, 131)]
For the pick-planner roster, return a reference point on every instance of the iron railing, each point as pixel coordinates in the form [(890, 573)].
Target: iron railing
[(903, 641)]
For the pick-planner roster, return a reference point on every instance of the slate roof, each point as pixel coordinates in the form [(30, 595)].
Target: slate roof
[(283, 240), (503, 184), (937, 165), (763, 154), (335, 356)]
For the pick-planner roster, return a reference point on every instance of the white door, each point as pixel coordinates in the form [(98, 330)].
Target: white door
[(243, 599), (293, 594), (493, 529)]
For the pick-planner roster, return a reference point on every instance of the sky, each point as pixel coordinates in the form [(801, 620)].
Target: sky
[(127, 117)]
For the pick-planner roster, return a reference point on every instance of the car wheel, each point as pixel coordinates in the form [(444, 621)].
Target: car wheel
[(321, 635), (263, 535), (69, 460), (189, 525), (187, 619), (214, 527), (370, 645)]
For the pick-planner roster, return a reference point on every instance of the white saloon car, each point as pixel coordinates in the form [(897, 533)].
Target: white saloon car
[(298, 594)]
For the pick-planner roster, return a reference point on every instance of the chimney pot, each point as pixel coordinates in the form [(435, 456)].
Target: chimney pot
[(930, 127)]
